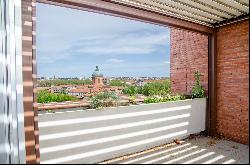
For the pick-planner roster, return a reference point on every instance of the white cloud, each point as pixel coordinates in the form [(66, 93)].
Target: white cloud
[(62, 39), (120, 44), (61, 23), (166, 62), (60, 36), (115, 60)]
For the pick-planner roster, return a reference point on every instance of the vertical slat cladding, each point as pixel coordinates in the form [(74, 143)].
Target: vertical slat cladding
[(35, 80), (27, 28), (12, 150), (34, 76)]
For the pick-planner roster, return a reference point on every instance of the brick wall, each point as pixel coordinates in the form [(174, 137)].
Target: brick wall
[(233, 82), (188, 53)]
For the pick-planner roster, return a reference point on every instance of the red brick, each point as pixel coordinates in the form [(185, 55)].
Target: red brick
[(233, 82), (189, 52)]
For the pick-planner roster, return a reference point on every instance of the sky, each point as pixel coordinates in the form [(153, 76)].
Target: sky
[(70, 43)]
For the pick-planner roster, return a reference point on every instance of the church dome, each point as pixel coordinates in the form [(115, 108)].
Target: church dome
[(97, 73)]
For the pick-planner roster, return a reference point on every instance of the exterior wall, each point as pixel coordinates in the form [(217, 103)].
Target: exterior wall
[(97, 81), (29, 79), (189, 52), (92, 136), (233, 82)]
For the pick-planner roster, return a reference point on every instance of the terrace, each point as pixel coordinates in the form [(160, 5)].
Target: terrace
[(211, 36)]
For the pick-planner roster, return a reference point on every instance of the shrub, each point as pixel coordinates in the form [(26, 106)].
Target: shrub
[(150, 89), (132, 99), (156, 88), (104, 99), (46, 97), (166, 98), (152, 99), (197, 90), (131, 90), (176, 97)]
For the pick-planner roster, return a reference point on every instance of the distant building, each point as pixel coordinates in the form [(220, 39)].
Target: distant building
[(62, 88), (129, 82), (44, 78), (79, 93), (97, 78), (140, 83), (98, 85)]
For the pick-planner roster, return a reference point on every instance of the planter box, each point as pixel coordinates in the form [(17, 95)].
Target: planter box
[(91, 136)]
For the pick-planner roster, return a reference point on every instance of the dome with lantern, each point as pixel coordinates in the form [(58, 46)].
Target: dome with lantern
[(97, 72)]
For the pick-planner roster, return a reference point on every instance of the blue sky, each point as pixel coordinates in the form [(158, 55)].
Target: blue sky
[(70, 43)]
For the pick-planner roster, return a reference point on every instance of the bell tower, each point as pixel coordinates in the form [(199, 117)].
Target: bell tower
[(97, 78)]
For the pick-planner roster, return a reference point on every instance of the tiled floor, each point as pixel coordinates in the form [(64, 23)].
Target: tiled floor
[(198, 150)]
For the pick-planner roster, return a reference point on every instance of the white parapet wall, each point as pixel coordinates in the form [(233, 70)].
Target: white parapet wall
[(91, 136)]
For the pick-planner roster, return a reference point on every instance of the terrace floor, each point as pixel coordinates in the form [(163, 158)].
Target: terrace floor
[(196, 150)]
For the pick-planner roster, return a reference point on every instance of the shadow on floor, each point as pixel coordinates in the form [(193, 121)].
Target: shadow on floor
[(199, 150)]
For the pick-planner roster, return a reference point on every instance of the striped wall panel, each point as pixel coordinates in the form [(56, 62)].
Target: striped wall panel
[(12, 148)]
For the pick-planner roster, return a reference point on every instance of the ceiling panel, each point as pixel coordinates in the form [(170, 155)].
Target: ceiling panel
[(205, 12)]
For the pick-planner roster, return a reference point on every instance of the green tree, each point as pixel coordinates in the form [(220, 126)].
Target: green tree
[(116, 83), (156, 88), (131, 90), (49, 83)]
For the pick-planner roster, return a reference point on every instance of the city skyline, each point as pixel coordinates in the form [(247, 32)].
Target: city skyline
[(68, 47), (109, 77)]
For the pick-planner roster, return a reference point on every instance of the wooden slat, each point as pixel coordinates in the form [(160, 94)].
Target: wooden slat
[(160, 10), (235, 4), (179, 11), (244, 2), (193, 10), (221, 7), (206, 8)]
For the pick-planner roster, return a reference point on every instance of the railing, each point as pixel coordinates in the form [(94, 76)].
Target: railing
[(75, 104), (91, 136)]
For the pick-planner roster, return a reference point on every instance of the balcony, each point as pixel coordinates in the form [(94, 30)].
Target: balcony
[(211, 130)]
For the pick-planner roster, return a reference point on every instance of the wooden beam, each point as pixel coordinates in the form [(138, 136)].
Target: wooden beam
[(111, 8)]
